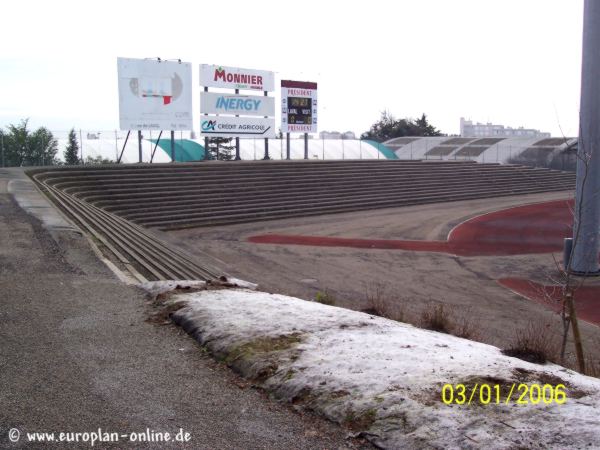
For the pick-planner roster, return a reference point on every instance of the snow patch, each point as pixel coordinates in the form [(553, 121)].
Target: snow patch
[(384, 378), (155, 288)]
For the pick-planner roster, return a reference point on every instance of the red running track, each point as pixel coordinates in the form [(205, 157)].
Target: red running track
[(537, 228), (587, 298)]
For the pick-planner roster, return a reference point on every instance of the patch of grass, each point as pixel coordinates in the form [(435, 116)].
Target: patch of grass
[(263, 345), (437, 317), (325, 298), (381, 303), (464, 325), (535, 343), (531, 376), (256, 359), (360, 421), (161, 315), (510, 386)]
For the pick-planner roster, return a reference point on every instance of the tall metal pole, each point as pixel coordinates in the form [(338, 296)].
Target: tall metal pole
[(287, 142), (266, 139), (172, 146), (237, 139), (206, 137), (2, 139), (81, 146), (140, 145), (305, 145), (586, 239)]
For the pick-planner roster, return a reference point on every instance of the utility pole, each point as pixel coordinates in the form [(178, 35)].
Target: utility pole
[(586, 239)]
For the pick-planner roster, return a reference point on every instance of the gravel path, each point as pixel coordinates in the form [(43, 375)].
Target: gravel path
[(77, 354)]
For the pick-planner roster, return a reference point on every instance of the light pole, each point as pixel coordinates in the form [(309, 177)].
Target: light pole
[(586, 239)]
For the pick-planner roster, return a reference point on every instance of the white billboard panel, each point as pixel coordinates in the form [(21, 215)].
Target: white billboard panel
[(154, 95), (298, 107), (235, 104), (223, 126), (236, 78)]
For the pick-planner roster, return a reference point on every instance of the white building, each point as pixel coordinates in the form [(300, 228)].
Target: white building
[(336, 135), (470, 129)]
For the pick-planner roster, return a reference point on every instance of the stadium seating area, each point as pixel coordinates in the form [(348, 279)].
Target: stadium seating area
[(116, 204)]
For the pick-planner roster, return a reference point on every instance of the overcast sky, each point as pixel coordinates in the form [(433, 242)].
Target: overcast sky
[(513, 62)]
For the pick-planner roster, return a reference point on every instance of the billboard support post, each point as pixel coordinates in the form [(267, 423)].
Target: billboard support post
[(237, 139), (122, 150), (172, 145), (140, 145), (266, 139), (205, 139), (81, 146), (305, 145), (287, 139), (155, 146)]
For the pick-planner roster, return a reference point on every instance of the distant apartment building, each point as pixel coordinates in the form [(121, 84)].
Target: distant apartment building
[(470, 129)]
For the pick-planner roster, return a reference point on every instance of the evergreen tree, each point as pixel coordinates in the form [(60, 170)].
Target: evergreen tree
[(388, 127), (71, 154)]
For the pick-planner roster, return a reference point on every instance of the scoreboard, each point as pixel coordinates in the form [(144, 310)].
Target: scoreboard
[(298, 106), (299, 111)]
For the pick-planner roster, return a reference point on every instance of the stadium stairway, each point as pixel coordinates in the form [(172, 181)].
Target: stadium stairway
[(117, 203)]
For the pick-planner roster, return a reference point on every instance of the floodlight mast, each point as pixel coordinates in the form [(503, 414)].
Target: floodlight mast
[(586, 230)]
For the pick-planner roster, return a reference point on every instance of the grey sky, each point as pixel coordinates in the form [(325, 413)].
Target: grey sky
[(515, 62)]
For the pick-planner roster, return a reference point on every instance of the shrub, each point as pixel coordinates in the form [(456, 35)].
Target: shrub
[(325, 298), (535, 344)]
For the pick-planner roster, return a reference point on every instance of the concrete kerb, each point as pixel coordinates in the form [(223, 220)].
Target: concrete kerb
[(30, 199)]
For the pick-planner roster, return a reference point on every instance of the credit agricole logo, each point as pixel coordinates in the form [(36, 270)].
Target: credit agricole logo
[(240, 79)]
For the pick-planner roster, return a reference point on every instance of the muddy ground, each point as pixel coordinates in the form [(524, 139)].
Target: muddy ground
[(411, 281)]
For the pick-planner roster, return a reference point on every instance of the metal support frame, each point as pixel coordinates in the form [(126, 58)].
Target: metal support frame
[(124, 145), (156, 146)]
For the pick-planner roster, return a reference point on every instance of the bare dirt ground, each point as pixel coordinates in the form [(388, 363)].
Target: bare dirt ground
[(78, 354), (411, 279)]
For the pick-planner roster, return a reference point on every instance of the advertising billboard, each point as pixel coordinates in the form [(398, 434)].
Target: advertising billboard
[(224, 126), (154, 95), (236, 78), (235, 104), (298, 106)]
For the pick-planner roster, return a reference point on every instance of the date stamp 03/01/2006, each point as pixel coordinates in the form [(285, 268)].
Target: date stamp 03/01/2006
[(495, 394)]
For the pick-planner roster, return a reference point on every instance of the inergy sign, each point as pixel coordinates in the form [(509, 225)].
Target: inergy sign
[(238, 104), (236, 78), (234, 104)]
